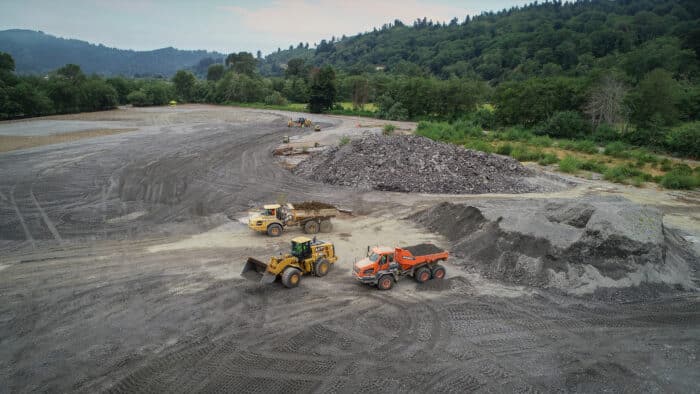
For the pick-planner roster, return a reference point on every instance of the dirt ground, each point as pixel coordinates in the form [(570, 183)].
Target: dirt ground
[(119, 271)]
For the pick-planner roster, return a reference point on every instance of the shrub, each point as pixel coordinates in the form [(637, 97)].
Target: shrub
[(585, 146), (684, 140), (547, 159), (680, 179), (643, 156), (516, 134), (542, 140), (504, 149), (443, 131), (605, 133), (594, 166), (479, 145), (622, 172), (522, 153), (617, 149), (275, 98), (569, 164), (344, 140), (138, 98), (388, 129), (566, 124), (485, 117)]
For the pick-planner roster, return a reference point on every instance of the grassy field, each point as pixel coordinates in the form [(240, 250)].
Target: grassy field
[(616, 162)]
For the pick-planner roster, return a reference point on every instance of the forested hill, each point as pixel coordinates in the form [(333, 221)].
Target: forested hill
[(38, 53), (542, 39)]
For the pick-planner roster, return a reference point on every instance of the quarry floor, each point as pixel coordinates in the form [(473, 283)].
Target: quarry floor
[(120, 258)]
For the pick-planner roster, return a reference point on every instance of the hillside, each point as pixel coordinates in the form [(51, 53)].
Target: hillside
[(39, 53), (537, 40)]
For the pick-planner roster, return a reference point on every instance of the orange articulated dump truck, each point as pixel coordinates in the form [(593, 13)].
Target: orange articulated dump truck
[(384, 265)]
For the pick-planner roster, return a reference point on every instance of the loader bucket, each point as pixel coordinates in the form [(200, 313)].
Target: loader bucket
[(256, 270)]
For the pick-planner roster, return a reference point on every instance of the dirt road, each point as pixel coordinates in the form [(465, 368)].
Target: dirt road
[(119, 271)]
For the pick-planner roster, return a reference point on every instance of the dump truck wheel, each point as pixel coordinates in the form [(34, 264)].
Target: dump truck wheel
[(291, 277), (274, 230), (311, 227), (386, 282), (422, 275), (326, 226), (439, 272), (321, 267)]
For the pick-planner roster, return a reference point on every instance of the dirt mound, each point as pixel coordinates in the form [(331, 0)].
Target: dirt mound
[(408, 163), (312, 205), (423, 249), (577, 247)]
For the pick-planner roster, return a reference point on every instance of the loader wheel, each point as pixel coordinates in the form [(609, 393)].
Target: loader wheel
[(274, 230), (291, 277), (311, 227), (326, 226), (439, 272), (321, 267), (422, 275), (386, 282)]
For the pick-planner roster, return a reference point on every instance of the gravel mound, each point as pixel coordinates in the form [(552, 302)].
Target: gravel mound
[(312, 205), (408, 163), (579, 247)]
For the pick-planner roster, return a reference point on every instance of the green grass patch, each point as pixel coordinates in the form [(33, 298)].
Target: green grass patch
[(617, 149), (594, 166), (344, 140), (388, 129), (480, 145), (548, 159), (570, 164), (504, 149), (584, 146), (622, 173), (681, 179)]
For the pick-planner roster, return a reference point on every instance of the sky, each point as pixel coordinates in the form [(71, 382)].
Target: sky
[(225, 26)]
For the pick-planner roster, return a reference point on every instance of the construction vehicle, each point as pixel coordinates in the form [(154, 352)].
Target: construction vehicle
[(308, 256), (383, 265), (312, 217), (300, 122)]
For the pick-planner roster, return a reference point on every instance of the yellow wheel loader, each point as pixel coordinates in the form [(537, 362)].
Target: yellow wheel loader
[(308, 256)]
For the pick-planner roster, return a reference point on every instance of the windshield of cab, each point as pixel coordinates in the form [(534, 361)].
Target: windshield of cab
[(373, 257)]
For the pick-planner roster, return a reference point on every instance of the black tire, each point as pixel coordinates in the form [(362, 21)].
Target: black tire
[(386, 282), (439, 272), (274, 230), (422, 275), (311, 227), (322, 267), (291, 277), (326, 226)]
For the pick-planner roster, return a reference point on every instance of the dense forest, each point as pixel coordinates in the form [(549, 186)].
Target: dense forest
[(35, 52), (593, 70)]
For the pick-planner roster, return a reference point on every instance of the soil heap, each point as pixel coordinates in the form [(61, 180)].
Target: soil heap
[(408, 163), (578, 247)]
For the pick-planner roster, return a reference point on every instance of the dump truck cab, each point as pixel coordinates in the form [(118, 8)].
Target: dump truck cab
[(270, 220), (379, 261)]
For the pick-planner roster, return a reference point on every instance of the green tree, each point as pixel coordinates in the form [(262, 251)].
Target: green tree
[(296, 68), (215, 72), (184, 82), (323, 90), (242, 63), (654, 100)]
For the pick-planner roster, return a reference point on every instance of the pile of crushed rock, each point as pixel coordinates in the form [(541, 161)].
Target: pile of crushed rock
[(408, 163), (578, 247)]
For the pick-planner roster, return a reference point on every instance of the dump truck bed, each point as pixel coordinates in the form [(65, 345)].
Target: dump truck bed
[(301, 214), (415, 255)]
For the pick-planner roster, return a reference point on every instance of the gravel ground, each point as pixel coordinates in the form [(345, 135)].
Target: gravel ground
[(120, 272)]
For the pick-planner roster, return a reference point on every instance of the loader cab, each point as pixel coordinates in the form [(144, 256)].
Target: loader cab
[(301, 248)]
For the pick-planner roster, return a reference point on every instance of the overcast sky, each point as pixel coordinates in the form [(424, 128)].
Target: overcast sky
[(224, 25)]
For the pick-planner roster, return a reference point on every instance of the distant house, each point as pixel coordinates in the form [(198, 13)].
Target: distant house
[(380, 67)]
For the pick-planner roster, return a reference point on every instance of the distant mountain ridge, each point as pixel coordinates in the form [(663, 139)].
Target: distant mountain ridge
[(36, 52)]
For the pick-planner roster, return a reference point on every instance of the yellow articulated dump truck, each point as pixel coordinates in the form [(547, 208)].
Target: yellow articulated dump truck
[(311, 216), (308, 256)]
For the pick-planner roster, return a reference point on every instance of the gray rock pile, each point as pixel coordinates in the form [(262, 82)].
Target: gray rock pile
[(578, 247), (408, 163)]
